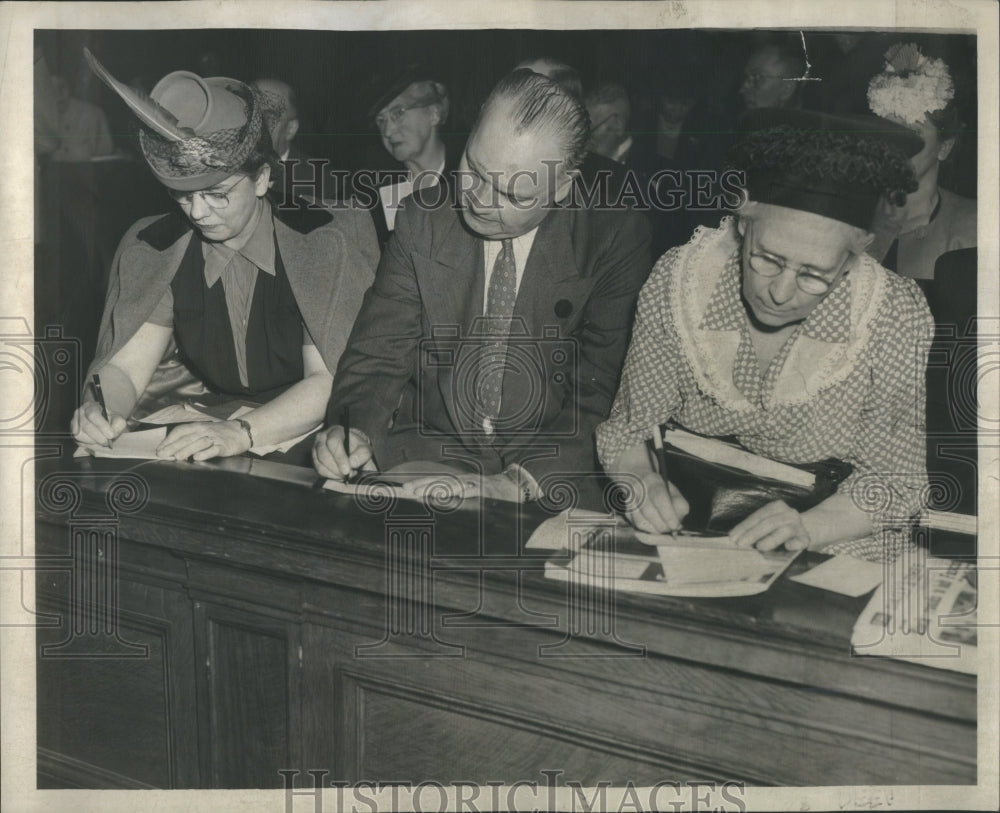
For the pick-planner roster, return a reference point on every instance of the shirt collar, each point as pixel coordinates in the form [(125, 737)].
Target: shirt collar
[(725, 308), (829, 321), (258, 250)]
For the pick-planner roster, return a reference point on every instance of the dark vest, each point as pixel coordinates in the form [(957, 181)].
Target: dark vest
[(205, 338)]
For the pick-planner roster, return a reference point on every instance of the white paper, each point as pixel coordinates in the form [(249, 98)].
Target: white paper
[(557, 532), (844, 574), (692, 565), (129, 445)]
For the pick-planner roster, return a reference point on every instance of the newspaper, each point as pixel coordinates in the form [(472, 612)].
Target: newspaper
[(924, 612)]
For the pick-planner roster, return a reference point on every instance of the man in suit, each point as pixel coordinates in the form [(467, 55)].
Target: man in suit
[(494, 335)]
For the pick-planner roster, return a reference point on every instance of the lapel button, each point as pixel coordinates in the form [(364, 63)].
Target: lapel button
[(563, 308)]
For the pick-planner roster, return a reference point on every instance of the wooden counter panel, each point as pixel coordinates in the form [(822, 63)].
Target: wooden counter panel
[(250, 696), (659, 718), (124, 720), (289, 629)]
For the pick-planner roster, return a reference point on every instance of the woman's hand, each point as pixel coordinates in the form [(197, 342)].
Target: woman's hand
[(89, 427), (204, 440), (770, 527), (660, 510)]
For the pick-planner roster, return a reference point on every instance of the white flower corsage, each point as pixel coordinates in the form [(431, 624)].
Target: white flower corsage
[(911, 86)]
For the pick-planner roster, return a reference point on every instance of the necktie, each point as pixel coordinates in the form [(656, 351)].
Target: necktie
[(500, 298)]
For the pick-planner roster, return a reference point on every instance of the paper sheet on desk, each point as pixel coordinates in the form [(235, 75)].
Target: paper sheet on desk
[(602, 550), (129, 445), (844, 574), (378, 486)]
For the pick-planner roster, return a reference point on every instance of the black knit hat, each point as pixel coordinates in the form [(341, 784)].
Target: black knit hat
[(386, 87), (834, 166)]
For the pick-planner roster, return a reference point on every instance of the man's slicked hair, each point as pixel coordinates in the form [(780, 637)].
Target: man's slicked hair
[(539, 105)]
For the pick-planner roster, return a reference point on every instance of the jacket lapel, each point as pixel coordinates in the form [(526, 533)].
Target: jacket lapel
[(451, 279), (550, 301)]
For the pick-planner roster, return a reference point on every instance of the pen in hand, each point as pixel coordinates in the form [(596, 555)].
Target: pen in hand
[(345, 422), (661, 458), (100, 400), (661, 455)]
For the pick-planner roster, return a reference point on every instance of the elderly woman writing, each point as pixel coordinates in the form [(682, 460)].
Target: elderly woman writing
[(253, 302), (778, 329)]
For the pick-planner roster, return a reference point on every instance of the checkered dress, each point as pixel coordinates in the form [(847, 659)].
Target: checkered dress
[(848, 383)]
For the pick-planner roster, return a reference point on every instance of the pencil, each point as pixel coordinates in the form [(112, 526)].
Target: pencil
[(100, 396), (345, 422), (661, 455)]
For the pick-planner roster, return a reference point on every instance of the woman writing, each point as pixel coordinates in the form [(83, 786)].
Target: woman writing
[(778, 329), (256, 303)]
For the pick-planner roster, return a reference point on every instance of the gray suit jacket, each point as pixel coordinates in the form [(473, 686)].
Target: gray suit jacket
[(406, 372)]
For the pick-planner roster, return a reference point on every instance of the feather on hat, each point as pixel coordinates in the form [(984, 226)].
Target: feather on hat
[(194, 132)]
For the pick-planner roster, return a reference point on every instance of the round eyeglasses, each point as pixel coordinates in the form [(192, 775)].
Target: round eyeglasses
[(395, 114), (808, 280), (213, 198)]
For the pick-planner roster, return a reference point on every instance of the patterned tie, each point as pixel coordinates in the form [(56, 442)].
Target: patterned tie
[(500, 300)]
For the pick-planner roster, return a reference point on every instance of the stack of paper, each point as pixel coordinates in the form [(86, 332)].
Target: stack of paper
[(609, 554)]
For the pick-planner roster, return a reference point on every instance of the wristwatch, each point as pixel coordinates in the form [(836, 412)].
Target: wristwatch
[(246, 428)]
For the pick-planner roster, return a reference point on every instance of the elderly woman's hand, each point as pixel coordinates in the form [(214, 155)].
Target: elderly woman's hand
[(204, 440), (660, 509), (770, 527)]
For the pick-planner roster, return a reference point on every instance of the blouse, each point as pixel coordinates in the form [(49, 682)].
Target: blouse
[(848, 383)]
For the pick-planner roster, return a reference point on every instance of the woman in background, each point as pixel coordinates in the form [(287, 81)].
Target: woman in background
[(918, 92)]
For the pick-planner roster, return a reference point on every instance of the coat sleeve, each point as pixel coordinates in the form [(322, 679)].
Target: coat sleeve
[(381, 352), (126, 305), (330, 301)]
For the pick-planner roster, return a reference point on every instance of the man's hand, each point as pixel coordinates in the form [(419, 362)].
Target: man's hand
[(204, 440), (662, 508), (333, 463), (90, 429), (770, 527)]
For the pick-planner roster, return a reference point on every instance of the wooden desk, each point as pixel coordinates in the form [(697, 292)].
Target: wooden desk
[(264, 625)]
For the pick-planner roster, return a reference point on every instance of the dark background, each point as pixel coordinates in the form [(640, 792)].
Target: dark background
[(335, 73)]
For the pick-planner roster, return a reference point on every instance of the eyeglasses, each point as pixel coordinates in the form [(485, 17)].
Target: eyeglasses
[(212, 198), (395, 115), (808, 279)]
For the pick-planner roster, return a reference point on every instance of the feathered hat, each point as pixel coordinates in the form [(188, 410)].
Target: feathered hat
[(194, 132)]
